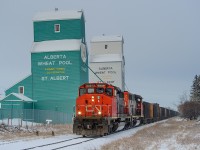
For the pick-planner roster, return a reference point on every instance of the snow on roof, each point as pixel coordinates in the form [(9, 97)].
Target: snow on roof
[(56, 45), (58, 15), (106, 38), (18, 81), (19, 97), (105, 58)]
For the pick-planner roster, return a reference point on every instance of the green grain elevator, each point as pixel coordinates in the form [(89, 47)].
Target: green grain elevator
[(58, 59)]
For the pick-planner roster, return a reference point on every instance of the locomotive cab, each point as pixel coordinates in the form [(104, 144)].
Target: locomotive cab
[(95, 100)]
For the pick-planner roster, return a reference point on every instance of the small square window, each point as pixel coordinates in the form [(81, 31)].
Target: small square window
[(106, 46), (57, 27), (21, 89)]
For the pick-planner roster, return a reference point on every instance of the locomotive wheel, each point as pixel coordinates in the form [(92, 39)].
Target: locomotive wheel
[(134, 123), (109, 130), (141, 121)]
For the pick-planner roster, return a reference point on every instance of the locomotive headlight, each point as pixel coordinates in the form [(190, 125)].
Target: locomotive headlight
[(99, 113), (93, 98), (79, 113)]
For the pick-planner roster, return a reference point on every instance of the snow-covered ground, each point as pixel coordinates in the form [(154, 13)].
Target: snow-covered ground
[(94, 144), (173, 134), (98, 142)]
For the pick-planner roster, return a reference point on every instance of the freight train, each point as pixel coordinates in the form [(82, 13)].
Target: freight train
[(101, 108)]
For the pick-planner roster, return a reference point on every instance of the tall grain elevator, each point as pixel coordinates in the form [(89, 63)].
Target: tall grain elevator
[(58, 58), (107, 60)]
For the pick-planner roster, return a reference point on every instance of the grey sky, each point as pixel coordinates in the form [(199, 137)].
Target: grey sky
[(161, 47)]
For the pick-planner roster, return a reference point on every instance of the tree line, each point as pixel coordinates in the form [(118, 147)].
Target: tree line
[(190, 107)]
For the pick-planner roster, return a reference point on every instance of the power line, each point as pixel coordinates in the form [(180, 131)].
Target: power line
[(126, 86), (94, 73)]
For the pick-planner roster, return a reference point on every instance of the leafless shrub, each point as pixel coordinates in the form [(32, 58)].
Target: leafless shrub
[(189, 109), (7, 133)]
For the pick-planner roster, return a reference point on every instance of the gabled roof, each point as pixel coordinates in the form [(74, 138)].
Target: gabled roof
[(19, 81), (56, 45), (58, 15), (16, 97), (107, 38)]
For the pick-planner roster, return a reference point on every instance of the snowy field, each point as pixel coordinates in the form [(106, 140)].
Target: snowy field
[(170, 134), (173, 134)]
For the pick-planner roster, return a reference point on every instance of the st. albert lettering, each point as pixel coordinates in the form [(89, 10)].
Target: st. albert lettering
[(59, 78), (55, 78)]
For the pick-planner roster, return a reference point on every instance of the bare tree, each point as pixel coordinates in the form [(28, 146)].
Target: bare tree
[(189, 109)]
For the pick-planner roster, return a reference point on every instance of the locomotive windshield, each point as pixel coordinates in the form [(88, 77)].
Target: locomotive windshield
[(90, 90), (82, 91), (109, 91), (100, 90)]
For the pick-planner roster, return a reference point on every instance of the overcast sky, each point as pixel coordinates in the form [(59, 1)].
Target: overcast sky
[(161, 41)]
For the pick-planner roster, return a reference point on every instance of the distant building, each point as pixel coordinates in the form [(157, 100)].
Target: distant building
[(58, 58), (107, 60)]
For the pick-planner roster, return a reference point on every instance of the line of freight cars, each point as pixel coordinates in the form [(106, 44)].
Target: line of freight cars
[(153, 112), (101, 108)]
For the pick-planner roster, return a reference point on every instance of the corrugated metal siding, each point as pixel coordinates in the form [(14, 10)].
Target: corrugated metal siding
[(69, 29), (11, 105), (56, 94), (27, 83)]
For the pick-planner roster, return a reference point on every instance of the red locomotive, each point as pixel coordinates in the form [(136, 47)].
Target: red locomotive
[(101, 107)]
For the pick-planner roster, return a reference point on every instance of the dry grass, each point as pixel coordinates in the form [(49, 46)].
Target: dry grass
[(171, 133), (35, 131)]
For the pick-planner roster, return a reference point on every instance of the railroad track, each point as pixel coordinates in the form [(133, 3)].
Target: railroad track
[(70, 142), (61, 144), (76, 143)]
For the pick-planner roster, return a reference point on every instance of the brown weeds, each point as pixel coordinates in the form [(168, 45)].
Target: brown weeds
[(35, 131)]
